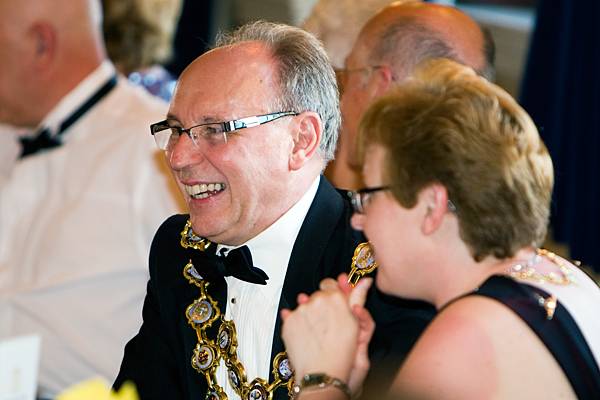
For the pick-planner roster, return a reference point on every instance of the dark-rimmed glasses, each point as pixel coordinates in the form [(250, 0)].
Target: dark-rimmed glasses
[(166, 136), (361, 198)]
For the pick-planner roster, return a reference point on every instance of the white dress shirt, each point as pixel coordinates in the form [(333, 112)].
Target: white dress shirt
[(76, 224), (9, 151), (254, 310)]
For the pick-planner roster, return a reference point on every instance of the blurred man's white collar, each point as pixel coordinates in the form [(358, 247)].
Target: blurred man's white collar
[(10, 149), (76, 97)]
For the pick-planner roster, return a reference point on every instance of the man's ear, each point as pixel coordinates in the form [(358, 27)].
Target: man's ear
[(45, 44), (307, 136), (435, 198), (383, 78)]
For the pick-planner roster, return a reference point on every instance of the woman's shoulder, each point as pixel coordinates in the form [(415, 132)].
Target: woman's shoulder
[(459, 341), (472, 345), (474, 323)]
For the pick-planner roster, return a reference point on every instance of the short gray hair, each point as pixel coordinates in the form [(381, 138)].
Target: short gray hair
[(306, 78)]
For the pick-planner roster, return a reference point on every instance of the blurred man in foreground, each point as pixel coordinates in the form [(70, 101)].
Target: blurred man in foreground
[(79, 207)]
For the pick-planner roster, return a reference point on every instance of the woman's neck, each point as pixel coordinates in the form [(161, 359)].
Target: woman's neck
[(459, 273)]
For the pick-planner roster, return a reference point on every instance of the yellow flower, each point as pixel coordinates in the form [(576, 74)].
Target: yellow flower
[(97, 389)]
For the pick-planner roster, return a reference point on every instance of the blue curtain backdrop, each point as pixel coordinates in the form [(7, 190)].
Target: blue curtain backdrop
[(561, 91), (194, 33)]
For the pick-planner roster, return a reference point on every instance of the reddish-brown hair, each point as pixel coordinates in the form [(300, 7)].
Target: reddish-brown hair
[(449, 126)]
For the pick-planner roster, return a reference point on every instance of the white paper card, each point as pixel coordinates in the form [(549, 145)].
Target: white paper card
[(19, 361)]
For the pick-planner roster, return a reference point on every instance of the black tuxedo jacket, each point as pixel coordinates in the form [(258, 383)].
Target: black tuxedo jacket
[(158, 358)]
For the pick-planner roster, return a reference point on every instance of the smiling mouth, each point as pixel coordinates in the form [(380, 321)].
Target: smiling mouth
[(203, 190)]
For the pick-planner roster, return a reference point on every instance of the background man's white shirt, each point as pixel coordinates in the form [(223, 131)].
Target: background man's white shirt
[(76, 225)]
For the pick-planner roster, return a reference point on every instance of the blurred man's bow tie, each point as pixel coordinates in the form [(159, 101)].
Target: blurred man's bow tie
[(44, 140), (40, 141)]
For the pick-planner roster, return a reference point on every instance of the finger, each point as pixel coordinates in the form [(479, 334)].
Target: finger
[(343, 284), (302, 298), (365, 323), (285, 313), (358, 296), (328, 284)]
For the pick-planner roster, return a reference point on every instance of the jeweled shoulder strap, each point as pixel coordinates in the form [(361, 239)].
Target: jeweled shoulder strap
[(559, 332)]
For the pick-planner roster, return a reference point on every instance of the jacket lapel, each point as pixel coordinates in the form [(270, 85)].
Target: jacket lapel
[(313, 240), (184, 294), (304, 270)]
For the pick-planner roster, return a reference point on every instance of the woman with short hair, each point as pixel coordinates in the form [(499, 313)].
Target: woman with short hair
[(456, 206)]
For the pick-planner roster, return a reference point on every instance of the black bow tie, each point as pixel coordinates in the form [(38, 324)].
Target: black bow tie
[(43, 140), (238, 263)]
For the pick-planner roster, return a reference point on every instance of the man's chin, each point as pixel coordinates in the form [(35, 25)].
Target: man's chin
[(214, 230), (204, 227)]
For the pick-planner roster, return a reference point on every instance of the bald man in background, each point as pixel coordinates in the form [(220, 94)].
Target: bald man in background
[(390, 45), (81, 204)]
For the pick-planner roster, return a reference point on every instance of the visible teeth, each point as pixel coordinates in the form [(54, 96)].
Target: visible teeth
[(203, 190)]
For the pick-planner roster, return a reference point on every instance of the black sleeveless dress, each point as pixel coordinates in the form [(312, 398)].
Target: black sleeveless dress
[(560, 333)]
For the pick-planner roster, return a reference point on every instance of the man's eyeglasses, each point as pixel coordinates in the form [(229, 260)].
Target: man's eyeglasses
[(166, 136), (361, 198)]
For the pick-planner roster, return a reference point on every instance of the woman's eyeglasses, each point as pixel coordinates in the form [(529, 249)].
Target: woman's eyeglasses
[(361, 198)]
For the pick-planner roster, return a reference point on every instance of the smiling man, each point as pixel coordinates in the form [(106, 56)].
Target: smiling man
[(251, 127), (259, 171)]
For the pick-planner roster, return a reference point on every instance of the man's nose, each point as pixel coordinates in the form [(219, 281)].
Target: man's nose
[(183, 153)]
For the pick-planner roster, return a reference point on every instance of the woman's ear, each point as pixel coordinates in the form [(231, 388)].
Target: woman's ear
[(307, 136), (435, 198)]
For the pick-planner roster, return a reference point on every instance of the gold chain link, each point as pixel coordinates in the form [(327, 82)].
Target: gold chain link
[(202, 314)]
